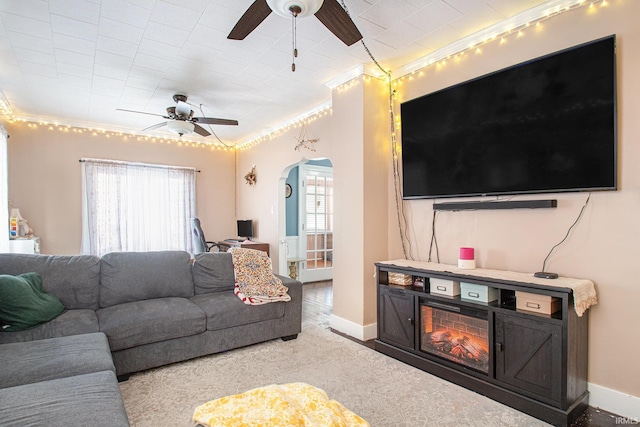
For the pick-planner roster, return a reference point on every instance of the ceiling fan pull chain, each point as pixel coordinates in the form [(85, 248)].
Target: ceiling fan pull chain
[(294, 28)]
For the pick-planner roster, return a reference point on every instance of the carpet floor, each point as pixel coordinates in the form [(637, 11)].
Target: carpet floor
[(383, 391)]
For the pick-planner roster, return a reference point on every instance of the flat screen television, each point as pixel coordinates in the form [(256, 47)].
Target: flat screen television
[(545, 125), (245, 228)]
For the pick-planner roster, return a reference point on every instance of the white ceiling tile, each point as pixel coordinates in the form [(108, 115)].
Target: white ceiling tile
[(126, 12), (69, 57), (152, 62), (398, 35), (35, 57), (38, 10), (74, 28), (206, 36), (74, 44), (387, 12), (79, 10), (120, 30), (74, 71), (23, 25), (38, 44), (435, 15), (115, 46), (175, 15), (145, 4), (172, 36), (68, 82), (110, 71), (472, 22), (114, 60), (466, 6), (145, 83), (157, 49), (220, 18)]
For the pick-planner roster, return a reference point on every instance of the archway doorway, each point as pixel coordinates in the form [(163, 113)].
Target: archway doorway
[(306, 221)]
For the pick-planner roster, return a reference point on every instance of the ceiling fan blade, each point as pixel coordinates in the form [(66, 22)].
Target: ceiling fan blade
[(141, 112), (337, 20), (200, 130), (159, 125), (248, 22), (213, 121)]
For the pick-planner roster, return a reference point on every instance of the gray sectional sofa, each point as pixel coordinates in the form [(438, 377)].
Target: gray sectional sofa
[(154, 308)]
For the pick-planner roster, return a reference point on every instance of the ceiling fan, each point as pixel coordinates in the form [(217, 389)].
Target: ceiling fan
[(181, 121), (329, 12)]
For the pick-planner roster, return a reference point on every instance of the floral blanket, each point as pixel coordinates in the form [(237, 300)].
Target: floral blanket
[(294, 404), (255, 282)]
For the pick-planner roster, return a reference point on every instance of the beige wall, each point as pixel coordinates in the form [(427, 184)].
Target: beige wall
[(272, 158), (603, 247), (354, 138), (45, 180)]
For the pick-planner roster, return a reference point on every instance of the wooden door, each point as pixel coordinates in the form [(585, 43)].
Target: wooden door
[(396, 317), (529, 355)]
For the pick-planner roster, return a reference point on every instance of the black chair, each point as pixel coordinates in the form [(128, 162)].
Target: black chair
[(200, 244)]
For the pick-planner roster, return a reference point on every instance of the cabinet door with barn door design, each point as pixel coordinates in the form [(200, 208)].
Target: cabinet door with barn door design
[(396, 317), (529, 356)]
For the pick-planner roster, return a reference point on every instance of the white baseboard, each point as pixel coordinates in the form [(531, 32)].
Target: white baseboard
[(360, 332), (619, 403)]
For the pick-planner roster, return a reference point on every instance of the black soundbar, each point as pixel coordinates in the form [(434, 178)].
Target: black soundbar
[(512, 204)]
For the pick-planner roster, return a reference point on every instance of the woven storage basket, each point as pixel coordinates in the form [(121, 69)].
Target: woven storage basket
[(401, 279)]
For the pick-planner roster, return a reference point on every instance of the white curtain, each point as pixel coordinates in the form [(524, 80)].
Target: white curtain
[(4, 192), (132, 207)]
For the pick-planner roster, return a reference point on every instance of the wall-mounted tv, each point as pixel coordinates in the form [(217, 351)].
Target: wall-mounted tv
[(546, 125)]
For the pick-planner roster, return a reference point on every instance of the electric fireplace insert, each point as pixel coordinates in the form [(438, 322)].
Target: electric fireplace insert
[(456, 333)]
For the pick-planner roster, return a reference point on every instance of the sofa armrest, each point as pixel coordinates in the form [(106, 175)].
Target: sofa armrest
[(293, 308)]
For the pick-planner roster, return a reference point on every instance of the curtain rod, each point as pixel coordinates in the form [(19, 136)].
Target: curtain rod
[(145, 165)]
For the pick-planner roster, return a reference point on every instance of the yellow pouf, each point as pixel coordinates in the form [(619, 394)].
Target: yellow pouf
[(294, 404)]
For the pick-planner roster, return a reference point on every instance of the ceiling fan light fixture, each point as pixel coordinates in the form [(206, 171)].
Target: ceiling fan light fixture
[(283, 7), (180, 127)]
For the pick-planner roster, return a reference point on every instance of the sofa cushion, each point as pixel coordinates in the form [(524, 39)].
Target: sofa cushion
[(42, 360), (71, 322), (225, 310), (213, 272), (73, 279), (144, 322), (83, 400), (24, 304), (136, 276)]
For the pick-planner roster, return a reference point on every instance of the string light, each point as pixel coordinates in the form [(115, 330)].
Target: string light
[(292, 124), (124, 136), (440, 59)]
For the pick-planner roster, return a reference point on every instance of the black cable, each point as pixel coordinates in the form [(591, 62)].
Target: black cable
[(434, 240), (544, 263), (398, 193)]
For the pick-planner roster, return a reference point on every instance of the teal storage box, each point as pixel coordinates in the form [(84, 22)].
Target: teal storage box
[(479, 293)]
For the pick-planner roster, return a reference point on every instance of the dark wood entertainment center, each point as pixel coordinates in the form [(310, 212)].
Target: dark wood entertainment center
[(535, 363)]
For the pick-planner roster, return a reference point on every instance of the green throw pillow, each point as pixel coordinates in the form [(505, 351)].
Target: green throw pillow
[(24, 304)]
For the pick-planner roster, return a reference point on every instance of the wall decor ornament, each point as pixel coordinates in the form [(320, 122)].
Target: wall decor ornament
[(304, 140), (251, 177)]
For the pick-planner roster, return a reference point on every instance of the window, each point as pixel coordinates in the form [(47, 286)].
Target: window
[(136, 207)]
